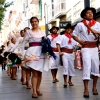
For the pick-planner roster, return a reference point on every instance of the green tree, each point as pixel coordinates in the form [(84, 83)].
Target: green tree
[(3, 6)]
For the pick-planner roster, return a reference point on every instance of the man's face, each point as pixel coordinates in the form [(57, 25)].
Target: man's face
[(89, 15), (54, 31), (69, 30)]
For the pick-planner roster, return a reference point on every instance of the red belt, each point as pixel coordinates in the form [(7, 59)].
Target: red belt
[(35, 44), (89, 44), (66, 50), (55, 49)]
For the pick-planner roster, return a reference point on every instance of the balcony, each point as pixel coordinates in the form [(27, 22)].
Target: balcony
[(60, 9), (35, 1)]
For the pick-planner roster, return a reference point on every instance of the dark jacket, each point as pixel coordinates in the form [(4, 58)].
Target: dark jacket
[(46, 47)]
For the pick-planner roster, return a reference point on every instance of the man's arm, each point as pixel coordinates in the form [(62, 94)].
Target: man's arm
[(76, 34), (59, 50), (78, 40), (93, 31)]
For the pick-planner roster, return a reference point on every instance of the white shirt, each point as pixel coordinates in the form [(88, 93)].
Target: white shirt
[(64, 42), (18, 45), (9, 47), (56, 40), (81, 31)]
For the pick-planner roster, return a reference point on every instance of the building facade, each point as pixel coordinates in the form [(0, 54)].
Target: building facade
[(18, 17), (67, 10)]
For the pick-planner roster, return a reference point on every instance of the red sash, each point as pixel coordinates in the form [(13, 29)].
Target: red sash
[(70, 37), (91, 23), (53, 36)]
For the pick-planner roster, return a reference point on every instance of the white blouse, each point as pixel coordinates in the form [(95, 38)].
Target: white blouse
[(32, 37)]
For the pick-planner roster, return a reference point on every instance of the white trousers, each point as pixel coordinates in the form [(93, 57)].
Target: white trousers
[(90, 59), (56, 61), (68, 64)]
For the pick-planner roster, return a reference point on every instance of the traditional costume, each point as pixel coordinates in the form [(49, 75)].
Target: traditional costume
[(67, 45), (54, 38), (89, 49), (34, 52)]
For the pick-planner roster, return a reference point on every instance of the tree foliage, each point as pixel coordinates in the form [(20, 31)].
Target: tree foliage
[(3, 6)]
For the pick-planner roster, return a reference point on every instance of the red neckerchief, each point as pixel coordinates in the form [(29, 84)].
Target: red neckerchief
[(91, 23), (70, 37), (53, 36)]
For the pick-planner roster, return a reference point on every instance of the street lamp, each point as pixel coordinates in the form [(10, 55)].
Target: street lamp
[(86, 3)]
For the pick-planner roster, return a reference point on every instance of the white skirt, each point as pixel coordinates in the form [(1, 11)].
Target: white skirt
[(36, 58)]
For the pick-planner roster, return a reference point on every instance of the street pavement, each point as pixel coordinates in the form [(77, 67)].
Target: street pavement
[(13, 90)]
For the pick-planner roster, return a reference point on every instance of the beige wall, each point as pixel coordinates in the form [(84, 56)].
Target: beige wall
[(63, 18), (53, 24)]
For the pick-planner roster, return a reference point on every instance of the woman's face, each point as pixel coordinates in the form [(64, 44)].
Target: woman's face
[(34, 23), (22, 34)]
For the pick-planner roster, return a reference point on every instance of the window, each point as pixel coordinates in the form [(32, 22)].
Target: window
[(23, 6), (52, 13), (26, 3), (40, 9), (52, 6), (63, 6)]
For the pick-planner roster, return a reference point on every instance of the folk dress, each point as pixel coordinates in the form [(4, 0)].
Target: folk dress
[(34, 53)]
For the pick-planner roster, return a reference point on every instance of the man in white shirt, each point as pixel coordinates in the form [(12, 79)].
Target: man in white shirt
[(67, 44), (54, 37), (86, 33)]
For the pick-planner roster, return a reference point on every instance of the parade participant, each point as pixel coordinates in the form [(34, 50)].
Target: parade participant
[(54, 37), (28, 70), (25, 77), (3, 48), (26, 28), (20, 52), (34, 37), (8, 62), (1, 58), (2, 51), (87, 30), (13, 69), (67, 44)]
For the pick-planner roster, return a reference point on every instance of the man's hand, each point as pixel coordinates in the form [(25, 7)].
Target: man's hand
[(19, 54), (82, 42), (60, 53), (92, 30)]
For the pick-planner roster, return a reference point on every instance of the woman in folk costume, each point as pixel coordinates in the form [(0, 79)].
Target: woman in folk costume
[(13, 68), (36, 63), (88, 31), (8, 47), (54, 37), (28, 70), (67, 44), (25, 78)]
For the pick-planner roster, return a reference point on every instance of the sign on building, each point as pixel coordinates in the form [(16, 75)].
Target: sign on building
[(63, 24)]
